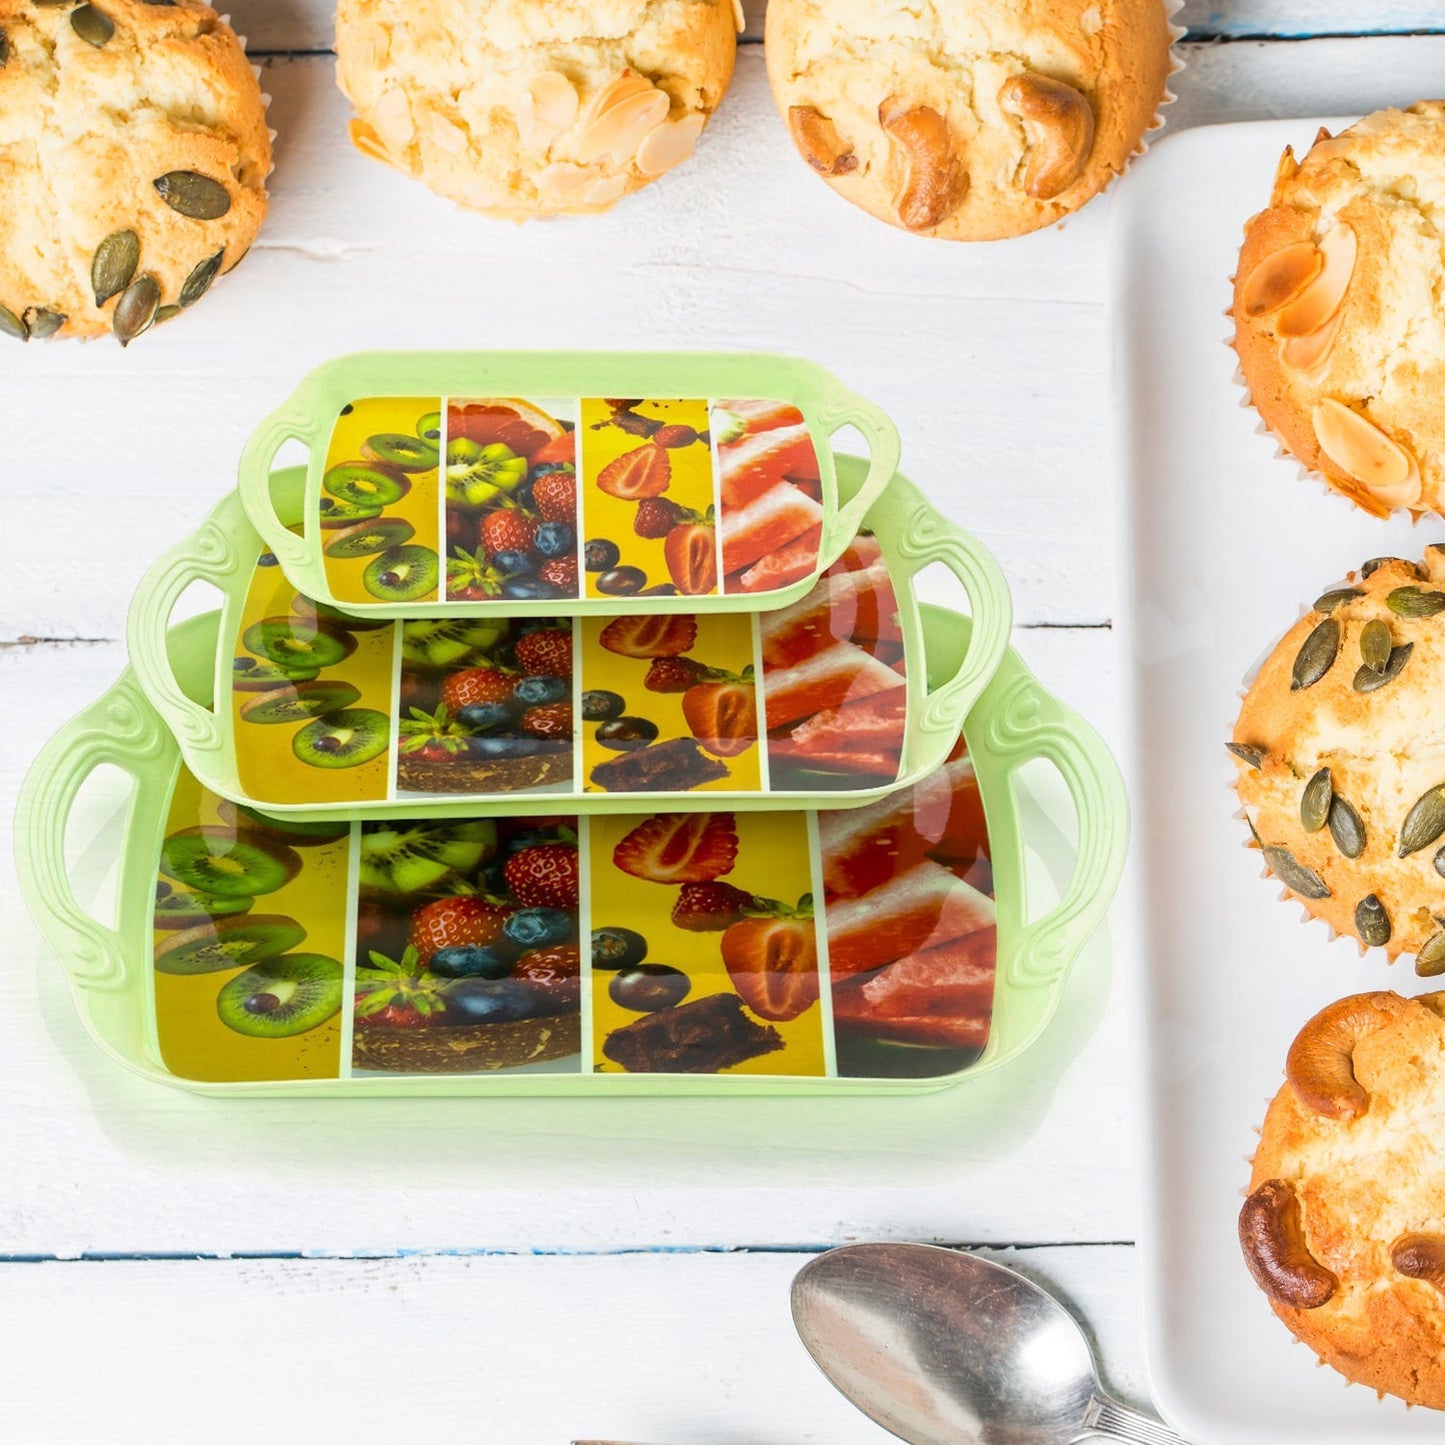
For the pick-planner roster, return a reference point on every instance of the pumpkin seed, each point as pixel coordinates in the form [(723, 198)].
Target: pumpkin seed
[(1328, 601), (12, 325), (92, 25), (1247, 753), (1372, 923), (1368, 680), (1314, 803), (4, 50), (135, 312), (1375, 563), (1415, 602), (166, 313), (1317, 655), (1425, 822), (44, 322), (1440, 862), (1431, 958), (1375, 644), (113, 266), (1294, 875), (160, 2), (199, 281), (1347, 828), (193, 195)]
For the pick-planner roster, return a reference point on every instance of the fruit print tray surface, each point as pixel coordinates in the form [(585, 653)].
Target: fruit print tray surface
[(332, 715), (500, 484), (884, 949), (1228, 544)]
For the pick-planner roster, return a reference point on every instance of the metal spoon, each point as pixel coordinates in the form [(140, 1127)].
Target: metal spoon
[(944, 1348)]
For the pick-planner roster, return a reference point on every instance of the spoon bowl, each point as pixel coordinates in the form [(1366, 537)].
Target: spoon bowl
[(946, 1348)]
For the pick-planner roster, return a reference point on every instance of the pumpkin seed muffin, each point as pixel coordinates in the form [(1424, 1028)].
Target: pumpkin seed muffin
[(1340, 746), (133, 161), (521, 109), (1338, 323), (1344, 1226), (969, 122)]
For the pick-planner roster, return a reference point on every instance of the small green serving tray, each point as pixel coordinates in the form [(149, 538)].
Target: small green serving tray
[(387, 431), (114, 983), (262, 767)]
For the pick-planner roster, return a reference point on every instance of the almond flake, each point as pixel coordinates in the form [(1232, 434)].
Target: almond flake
[(1314, 306), (549, 105), (669, 145), (1280, 277), (1361, 450)]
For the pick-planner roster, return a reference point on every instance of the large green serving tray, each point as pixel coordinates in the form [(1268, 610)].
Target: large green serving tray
[(428, 446), (843, 700), (149, 989)]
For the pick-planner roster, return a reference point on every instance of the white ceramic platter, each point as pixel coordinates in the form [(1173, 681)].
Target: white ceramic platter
[(1223, 544)]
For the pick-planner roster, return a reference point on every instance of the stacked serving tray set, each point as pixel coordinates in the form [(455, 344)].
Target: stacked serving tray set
[(571, 724)]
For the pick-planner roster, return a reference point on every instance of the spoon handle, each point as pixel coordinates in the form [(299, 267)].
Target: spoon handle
[(1114, 1421)]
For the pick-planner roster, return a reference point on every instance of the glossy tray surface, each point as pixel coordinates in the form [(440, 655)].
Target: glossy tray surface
[(332, 714), (666, 953), (505, 484)]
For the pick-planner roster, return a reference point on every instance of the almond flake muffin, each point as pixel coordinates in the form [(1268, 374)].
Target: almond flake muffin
[(1340, 746), (1344, 1226), (1338, 323), (969, 122), (133, 161), (521, 109)]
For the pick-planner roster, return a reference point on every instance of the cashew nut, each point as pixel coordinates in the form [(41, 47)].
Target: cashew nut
[(1421, 1256), (819, 143), (1271, 1234), (1320, 1062), (1060, 130), (934, 181)]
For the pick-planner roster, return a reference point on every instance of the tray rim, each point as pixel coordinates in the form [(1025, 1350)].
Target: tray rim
[(827, 405), (219, 553), (110, 970)]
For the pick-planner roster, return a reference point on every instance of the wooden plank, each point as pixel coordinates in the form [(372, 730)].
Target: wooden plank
[(99, 1160), (309, 25), (530, 1351)]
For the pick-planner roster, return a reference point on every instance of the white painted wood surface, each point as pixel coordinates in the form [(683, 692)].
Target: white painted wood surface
[(994, 362)]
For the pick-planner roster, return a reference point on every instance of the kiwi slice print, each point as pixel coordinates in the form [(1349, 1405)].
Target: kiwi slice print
[(298, 832), (312, 612), (190, 910), (248, 675), (429, 428), (228, 943), (402, 574), (345, 514), (282, 996), (473, 481), (344, 739), (412, 857), (295, 642), (406, 454), (365, 486), (220, 861), (446, 642), (301, 703), (368, 537)]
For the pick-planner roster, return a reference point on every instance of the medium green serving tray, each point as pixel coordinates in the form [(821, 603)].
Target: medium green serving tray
[(115, 984)]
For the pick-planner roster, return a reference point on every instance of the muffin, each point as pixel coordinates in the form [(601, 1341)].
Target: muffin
[(1338, 324), (1341, 758), (968, 122), (1344, 1226), (522, 110), (133, 163)]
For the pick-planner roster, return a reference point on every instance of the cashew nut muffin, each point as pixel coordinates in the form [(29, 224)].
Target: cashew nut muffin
[(521, 109), (133, 161), (974, 121), (1344, 1225), (1340, 748), (1338, 324)]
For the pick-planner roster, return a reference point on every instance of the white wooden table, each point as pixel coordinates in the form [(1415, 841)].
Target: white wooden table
[(177, 1269)]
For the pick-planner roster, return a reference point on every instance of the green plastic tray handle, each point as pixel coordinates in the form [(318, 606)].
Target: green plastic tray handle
[(289, 422), (207, 556), (884, 453), (926, 538), (120, 729), (1024, 724)]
